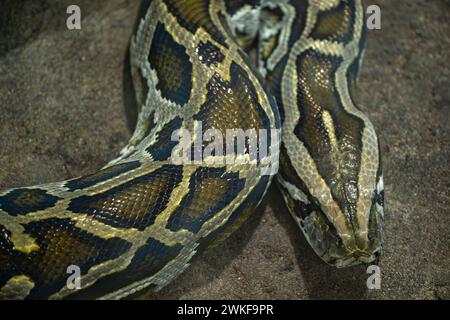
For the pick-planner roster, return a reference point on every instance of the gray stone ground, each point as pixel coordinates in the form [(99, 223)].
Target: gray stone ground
[(66, 109)]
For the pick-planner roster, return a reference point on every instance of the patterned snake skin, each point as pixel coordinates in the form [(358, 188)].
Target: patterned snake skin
[(139, 222)]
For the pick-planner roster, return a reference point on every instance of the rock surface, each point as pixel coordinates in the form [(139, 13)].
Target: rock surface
[(65, 111)]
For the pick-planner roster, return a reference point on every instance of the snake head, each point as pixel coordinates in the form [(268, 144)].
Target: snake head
[(341, 234)]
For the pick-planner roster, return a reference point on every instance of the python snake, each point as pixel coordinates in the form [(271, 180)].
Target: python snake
[(139, 221)]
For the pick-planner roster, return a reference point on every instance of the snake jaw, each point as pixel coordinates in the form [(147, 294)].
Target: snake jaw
[(360, 244), (368, 237)]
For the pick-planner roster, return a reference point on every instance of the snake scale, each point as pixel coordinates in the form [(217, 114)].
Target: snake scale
[(140, 221)]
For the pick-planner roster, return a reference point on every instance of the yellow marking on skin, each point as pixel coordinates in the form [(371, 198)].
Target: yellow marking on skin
[(116, 181), (222, 217), (328, 122), (324, 4), (178, 194), (22, 241), (28, 247), (18, 287), (105, 231)]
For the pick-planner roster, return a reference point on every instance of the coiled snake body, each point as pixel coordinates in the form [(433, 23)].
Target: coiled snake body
[(138, 222)]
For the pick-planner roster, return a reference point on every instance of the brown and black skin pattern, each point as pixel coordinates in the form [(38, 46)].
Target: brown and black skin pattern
[(139, 222), (330, 165)]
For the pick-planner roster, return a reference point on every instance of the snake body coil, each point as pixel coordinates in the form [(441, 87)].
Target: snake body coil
[(138, 222)]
